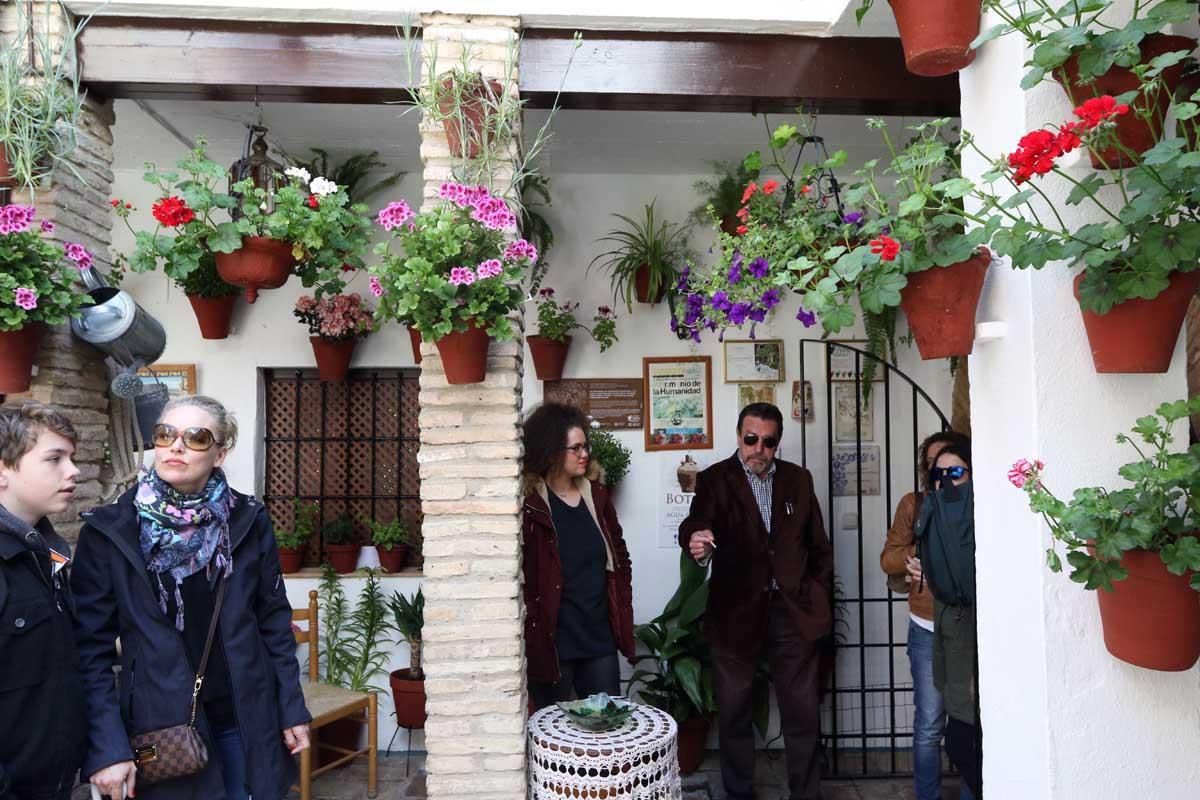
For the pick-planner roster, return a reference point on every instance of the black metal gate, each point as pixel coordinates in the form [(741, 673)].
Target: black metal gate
[(866, 714)]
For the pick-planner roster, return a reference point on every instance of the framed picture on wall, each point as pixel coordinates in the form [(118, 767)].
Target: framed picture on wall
[(802, 401), (678, 392), (178, 378), (851, 420), (754, 361), (755, 393), (842, 361)]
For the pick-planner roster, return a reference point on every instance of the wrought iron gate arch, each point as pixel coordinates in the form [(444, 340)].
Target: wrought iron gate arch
[(865, 760)]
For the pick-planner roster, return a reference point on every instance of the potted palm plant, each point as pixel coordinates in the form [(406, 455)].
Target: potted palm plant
[(1137, 544), (408, 685), (341, 547), (555, 322), (335, 325), (645, 257), (391, 542), (291, 543)]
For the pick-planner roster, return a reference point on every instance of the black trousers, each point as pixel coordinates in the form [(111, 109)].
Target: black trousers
[(579, 677), (964, 746), (793, 661)]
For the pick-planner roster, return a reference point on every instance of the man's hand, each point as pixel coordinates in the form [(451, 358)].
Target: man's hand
[(109, 780), (701, 545), (296, 738), (913, 565)]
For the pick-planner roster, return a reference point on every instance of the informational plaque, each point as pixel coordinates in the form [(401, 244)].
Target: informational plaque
[(615, 403)]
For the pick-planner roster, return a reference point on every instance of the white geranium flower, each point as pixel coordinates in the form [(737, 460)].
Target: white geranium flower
[(322, 186), (300, 173)]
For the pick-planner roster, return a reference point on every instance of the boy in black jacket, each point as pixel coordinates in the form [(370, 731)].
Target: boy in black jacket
[(41, 696)]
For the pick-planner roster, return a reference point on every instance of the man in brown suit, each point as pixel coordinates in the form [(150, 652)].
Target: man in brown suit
[(757, 518)]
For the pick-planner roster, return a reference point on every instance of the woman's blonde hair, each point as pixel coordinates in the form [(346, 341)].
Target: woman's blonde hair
[(226, 426)]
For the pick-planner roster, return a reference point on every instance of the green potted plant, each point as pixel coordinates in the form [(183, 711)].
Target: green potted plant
[(721, 194), (40, 97), (37, 288), (936, 34), (458, 277), (555, 322), (1137, 544), (645, 257), (612, 457), (1093, 52), (291, 543), (341, 546), (408, 685), (391, 542), (336, 324)]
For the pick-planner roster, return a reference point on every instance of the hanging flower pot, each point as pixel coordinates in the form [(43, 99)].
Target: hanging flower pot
[(260, 263), (549, 356), (940, 306), (937, 34), (414, 336), (1152, 618), (213, 314), (333, 357), (1138, 336), (343, 557), (464, 355), (6, 176), (290, 560), (693, 735), (17, 351), (468, 121), (641, 284), (1133, 131), (408, 695), (392, 559)]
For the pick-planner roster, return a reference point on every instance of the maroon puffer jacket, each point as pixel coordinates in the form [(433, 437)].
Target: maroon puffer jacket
[(543, 577)]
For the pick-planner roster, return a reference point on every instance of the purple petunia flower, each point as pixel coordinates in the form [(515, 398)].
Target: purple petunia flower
[(758, 314), (720, 301), (770, 298), (853, 217), (807, 317), (759, 267), (738, 313)]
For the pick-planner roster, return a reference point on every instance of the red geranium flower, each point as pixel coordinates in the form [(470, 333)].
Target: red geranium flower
[(741, 229), (172, 212), (1037, 150), (750, 190), (114, 202), (805, 189), (885, 247), (742, 213), (1100, 109), (313, 202), (769, 187)]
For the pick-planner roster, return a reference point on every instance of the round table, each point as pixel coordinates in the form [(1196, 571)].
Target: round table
[(636, 761)]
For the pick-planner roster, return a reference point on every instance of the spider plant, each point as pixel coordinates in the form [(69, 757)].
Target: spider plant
[(643, 261)]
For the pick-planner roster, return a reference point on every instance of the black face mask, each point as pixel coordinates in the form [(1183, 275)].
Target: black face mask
[(952, 493)]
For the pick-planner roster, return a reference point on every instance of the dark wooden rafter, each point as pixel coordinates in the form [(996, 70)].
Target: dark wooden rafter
[(151, 58)]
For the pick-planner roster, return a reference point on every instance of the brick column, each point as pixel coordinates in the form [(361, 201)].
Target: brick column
[(71, 374), (470, 465)]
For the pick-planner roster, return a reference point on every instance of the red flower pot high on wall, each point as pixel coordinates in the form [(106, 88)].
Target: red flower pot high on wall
[(18, 349), (641, 286), (333, 357), (260, 263), (464, 355), (937, 34), (469, 121), (1152, 618), (213, 314), (1139, 336), (940, 305), (549, 356)]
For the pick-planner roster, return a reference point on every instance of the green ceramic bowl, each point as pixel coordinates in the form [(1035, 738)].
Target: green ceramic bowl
[(598, 712)]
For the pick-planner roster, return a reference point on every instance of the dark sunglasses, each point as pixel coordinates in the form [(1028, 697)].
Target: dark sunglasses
[(769, 442), (193, 438), (953, 473)]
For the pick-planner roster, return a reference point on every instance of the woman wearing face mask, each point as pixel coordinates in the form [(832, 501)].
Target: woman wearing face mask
[(945, 532), (897, 558), (578, 580), (175, 553)]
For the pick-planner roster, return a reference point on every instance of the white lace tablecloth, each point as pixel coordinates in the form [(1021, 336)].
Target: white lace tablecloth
[(634, 762)]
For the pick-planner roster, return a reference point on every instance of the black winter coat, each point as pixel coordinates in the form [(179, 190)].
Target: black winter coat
[(41, 697), (115, 597)]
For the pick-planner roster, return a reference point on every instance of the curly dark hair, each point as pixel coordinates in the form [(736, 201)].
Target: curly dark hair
[(545, 435), (952, 439)]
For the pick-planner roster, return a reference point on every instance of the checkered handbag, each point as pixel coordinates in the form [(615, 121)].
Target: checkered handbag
[(179, 750)]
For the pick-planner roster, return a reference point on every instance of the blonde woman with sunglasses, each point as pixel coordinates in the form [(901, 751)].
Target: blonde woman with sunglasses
[(180, 567)]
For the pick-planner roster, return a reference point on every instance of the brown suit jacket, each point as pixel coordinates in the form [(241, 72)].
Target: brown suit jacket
[(796, 553)]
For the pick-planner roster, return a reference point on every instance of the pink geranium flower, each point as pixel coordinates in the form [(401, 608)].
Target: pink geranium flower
[(520, 249), (462, 276), (395, 215), (490, 268), (25, 298), (376, 286), (1023, 470)]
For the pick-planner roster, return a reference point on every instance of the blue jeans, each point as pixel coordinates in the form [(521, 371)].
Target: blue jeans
[(929, 719), (228, 745)]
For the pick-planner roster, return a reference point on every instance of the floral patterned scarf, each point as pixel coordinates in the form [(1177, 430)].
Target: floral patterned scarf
[(183, 533)]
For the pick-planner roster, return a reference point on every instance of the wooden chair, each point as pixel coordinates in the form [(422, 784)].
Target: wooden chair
[(329, 703)]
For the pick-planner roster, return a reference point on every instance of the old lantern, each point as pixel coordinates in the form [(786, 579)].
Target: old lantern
[(258, 166)]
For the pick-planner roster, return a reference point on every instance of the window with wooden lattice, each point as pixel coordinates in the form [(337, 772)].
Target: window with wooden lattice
[(349, 447)]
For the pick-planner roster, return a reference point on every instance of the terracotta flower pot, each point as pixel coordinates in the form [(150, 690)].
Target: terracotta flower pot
[(1133, 131), (474, 113), (464, 355), (408, 695), (693, 733), (213, 314), (260, 263), (6, 176), (1152, 618), (1138, 336), (290, 560), (729, 224), (940, 306), (414, 336), (18, 349), (936, 34), (333, 357), (641, 285), (343, 557), (549, 356), (392, 560)]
